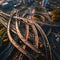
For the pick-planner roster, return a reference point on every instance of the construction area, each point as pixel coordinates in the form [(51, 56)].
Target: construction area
[(29, 29)]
